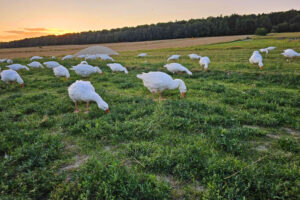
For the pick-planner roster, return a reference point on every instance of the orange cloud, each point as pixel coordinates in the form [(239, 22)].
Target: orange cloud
[(35, 29)]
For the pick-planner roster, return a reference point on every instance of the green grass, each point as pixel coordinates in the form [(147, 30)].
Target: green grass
[(227, 139)]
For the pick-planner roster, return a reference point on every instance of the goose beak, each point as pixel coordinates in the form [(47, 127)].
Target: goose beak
[(261, 67), (22, 85), (107, 111), (182, 94)]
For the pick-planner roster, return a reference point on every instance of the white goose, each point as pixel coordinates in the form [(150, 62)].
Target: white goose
[(117, 67), (36, 58), (290, 53), (271, 48), (51, 64), (104, 57), (53, 57), (173, 57), (84, 91), (176, 67), (9, 76), (84, 62), (3, 60), (9, 61), (194, 56), (256, 58), (17, 67), (85, 70), (61, 71), (160, 81), (204, 61), (35, 64), (265, 50), (67, 57), (142, 55)]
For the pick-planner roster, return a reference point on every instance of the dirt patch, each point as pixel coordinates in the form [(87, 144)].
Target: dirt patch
[(292, 132), (273, 136), (79, 160), (122, 46)]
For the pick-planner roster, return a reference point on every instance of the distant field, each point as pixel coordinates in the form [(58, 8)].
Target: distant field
[(235, 135), (124, 46)]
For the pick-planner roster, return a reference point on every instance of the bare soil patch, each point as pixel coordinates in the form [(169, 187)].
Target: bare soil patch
[(119, 47)]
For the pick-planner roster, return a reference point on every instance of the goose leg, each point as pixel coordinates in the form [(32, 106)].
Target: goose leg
[(76, 107), (160, 97), (87, 107), (153, 99)]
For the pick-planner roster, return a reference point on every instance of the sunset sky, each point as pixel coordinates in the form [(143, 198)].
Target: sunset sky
[(32, 18)]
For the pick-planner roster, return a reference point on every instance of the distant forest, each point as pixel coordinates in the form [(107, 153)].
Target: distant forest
[(288, 21)]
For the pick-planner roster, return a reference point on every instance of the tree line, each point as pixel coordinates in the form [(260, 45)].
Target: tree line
[(288, 21)]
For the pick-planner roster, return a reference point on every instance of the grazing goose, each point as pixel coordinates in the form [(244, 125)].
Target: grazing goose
[(173, 57), (271, 48), (85, 70), (9, 61), (176, 67), (9, 76), (36, 58), (160, 81), (53, 57), (61, 71), (67, 57), (256, 58), (204, 61), (84, 91), (51, 64), (104, 57), (3, 60), (290, 53), (117, 67), (17, 67), (142, 55), (266, 50), (35, 64), (194, 56)]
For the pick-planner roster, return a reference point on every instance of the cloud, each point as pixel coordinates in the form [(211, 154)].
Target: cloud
[(36, 29), (15, 32)]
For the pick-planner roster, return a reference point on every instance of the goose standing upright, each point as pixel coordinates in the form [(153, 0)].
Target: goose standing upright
[(204, 61), (17, 67), (84, 91), (176, 67), (117, 67), (256, 58), (9, 76), (61, 71), (157, 82)]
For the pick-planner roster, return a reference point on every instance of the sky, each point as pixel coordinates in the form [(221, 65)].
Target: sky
[(32, 18)]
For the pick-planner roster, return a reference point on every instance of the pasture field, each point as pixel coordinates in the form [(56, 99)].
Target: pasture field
[(234, 136)]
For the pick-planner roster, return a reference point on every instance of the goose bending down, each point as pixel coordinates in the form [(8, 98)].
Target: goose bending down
[(104, 57), (290, 53), (256, 58), (35, 64), (157, 82), (53, 57), (173, 57), (61, 71), (84, 91), (142, 55), (9, 61), (194, 56), (17, 67), (9, 76), (176, 67), (36, 58), (204, 61), (117, 67), (265, 50), (271, 48), (3, 60), (67, 57), (85, 70), (51, 64)]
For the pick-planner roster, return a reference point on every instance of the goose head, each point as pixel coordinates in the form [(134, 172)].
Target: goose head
[(181, 86), (97, 69)]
